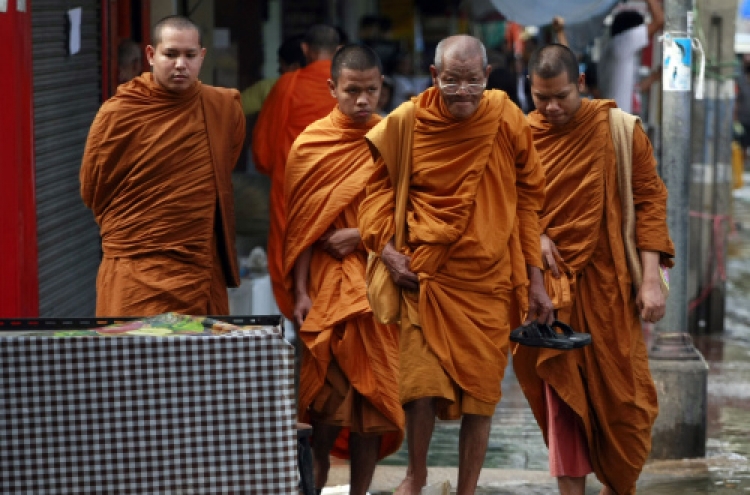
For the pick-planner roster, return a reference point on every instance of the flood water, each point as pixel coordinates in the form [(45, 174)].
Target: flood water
[(516, 442)]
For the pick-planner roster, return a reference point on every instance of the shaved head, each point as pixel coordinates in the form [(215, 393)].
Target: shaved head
[(322, 38), (460, 47), (177, 22), (355, 57), (552, 60)]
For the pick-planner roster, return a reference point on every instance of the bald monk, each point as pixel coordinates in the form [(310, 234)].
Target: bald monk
[(298, 99), (156, 173), (476, 185), (349, 375), (595, 405)]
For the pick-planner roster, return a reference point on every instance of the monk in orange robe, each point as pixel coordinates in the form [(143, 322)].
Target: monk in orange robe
[(595, 405), (298, 99), (156, 173), (475, 187), (349, 375)]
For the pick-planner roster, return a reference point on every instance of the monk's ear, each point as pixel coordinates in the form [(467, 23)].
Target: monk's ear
[(581, 83), (434, 74), (487, 71), (332, 87), (150, 54)]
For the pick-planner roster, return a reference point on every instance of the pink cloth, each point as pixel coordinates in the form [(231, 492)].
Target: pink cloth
[(568, 450)]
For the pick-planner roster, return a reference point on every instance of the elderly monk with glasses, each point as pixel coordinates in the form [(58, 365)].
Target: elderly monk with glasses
[(472, 256)]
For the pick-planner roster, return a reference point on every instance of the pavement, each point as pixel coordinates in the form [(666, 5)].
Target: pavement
[(517, 463)]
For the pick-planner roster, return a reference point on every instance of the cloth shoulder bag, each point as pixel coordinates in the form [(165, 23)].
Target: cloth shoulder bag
[(382, 292), (621, 127)]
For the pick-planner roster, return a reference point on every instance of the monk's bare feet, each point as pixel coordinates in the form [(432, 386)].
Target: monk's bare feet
[(410, 486)]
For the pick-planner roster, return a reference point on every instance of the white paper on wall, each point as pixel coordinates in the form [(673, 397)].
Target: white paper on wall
[(74, 36)]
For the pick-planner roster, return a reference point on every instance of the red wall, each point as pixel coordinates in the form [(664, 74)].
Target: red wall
[(19, 293)]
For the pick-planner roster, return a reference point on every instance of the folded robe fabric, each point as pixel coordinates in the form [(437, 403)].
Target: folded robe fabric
[(298, 99), (156, 172), (607, 384), (326, 174), (476, 187)]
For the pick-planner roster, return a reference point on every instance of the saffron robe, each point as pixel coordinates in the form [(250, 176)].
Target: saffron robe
[(298, 99), (326, 174), (607, 384), (475, 188), (156, 172)]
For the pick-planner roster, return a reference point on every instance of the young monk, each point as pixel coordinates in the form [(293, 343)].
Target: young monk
[(595, 405), (348, 381), (156, 172), (298, 99), (473, 236)]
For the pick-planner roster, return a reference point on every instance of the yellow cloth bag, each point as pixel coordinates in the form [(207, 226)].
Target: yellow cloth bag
[(382, 292), (621, 127)]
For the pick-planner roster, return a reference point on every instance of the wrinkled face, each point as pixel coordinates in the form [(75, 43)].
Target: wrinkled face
[(357, 92), (557, 98), (177, 59), (461, 83)]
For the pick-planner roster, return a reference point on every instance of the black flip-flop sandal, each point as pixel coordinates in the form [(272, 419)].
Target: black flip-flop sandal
[(541, 335), (578, 339)]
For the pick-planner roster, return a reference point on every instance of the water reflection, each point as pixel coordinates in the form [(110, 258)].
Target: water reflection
[(516, 442)]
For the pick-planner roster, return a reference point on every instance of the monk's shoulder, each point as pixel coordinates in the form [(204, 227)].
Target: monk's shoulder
[(220, 93)]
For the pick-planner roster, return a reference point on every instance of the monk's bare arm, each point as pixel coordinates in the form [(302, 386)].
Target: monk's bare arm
[(650, 200), (302, 301), (399, 266), (650, 299), (540, 305), (340, 242)]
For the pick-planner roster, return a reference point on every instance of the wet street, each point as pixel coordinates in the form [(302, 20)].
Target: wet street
[(516, 461)]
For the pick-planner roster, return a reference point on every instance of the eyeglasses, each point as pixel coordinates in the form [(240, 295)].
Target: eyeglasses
[(453, 88)]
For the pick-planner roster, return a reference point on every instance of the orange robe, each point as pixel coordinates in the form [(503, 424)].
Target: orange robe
[(298, 99), (326, 174), (157, 174), (475, 189), (607, 384)]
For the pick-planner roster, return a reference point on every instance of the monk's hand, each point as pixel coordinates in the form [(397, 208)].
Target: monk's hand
[(340, 242), (550, 255), (398, 265), (558, 24), (302, 305), (650, 300), (540, 305)]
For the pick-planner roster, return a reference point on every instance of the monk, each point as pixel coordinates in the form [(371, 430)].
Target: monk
[(156, 172), (349, 374), (298, 99), (595, 405), (475, 187)]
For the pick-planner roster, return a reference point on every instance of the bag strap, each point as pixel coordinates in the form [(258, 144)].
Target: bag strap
[(621, 126), (401, 187)]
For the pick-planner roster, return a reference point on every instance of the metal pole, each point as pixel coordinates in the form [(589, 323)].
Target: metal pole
[(678, 369), (672, 340)]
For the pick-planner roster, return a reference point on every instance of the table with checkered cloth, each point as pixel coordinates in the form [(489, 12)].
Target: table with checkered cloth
[(147, 415)]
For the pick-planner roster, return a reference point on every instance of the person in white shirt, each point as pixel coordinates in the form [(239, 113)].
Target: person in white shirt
[(619, 60)]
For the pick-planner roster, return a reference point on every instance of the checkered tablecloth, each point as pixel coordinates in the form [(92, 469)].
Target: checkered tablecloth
[(148, 416)]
